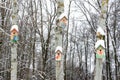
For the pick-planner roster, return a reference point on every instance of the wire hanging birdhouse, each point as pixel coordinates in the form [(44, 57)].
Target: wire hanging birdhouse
[(14, 33)]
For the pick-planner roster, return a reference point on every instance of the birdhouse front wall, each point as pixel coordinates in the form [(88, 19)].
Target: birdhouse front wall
[(64, 20), (62, 24), (14, 35), (100, 52), (58, 56)]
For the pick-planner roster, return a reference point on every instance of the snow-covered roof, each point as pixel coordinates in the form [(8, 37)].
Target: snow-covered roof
[(58, 48), (62, 15), (98, 43), (14, 27), (101, 31)]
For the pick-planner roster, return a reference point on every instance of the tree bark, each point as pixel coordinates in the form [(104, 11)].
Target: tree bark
[(58, 35), (102, 24), (14, 46)]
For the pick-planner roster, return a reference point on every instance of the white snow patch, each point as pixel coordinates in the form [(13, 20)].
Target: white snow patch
[(98, 43), (58, 48), (62, 15), (101, 31), (14, 27)]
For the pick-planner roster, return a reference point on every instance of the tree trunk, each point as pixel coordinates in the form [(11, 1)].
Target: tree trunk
[(58, 35), (114, 37), (102, 21), (108, 66), (14, 46)]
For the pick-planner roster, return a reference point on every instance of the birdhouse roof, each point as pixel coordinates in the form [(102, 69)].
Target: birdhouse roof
[(101, 31), (14, 27), (63, 15), (58, 48), (100, 43)]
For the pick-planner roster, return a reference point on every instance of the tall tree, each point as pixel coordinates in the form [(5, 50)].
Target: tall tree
[(100, 40), (14, 45), (60, 25)]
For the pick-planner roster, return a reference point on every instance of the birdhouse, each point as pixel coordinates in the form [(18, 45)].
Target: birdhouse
[(62, 20), (58, 55), (100, 34), (58, 52), (100, 49), (14, 33)]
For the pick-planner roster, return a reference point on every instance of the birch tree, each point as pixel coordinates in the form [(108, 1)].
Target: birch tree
[(14, 46)]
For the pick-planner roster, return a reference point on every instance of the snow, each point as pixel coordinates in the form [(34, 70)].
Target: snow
[(59, 0), (62, 15), (58, 48), (98, 43), (14, 27), (101, 31)]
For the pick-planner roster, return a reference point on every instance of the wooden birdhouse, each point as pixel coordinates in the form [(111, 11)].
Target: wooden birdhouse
[(100, 34), (58, 55), (100, 49), (58, 52), (62, 20), (14, 33)]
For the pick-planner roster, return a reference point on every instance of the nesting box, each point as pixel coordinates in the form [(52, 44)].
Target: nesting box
[(58, 55), (100, 52), (100, 49), (62, 21), (14, 33)]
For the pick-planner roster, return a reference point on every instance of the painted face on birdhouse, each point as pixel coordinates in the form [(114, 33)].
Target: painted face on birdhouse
[(58, 55)]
